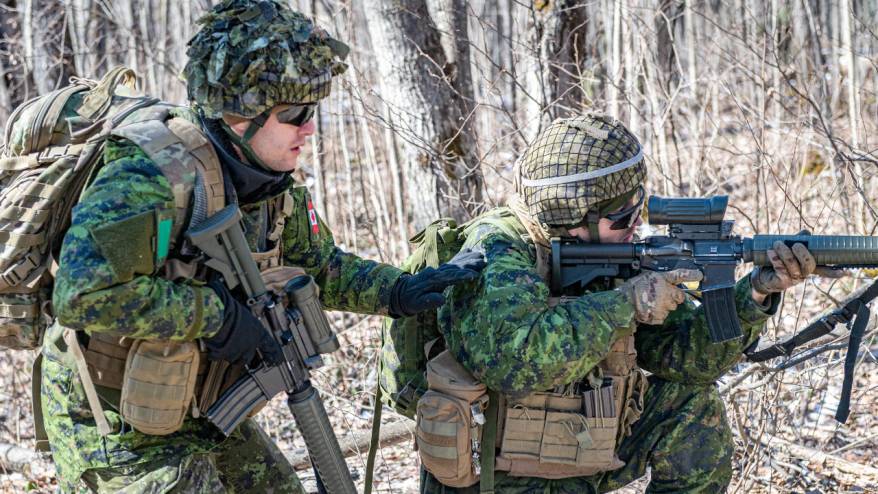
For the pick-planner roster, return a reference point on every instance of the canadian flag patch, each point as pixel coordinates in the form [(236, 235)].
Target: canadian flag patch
[(312, 218)]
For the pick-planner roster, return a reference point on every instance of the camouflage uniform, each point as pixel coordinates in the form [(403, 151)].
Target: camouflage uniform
[(503, 329), (92, 295)]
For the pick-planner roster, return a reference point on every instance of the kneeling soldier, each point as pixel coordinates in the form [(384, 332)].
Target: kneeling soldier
[(570, 409)]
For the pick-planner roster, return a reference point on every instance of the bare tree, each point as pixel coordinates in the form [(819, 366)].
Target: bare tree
[(565, 48), (428, 97)]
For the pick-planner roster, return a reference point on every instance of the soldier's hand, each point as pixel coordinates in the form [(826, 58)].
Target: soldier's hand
[(655, 294), (423, 291), (789, 267), (241, 333)]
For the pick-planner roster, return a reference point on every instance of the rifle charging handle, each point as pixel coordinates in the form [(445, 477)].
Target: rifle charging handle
[(302, 292)]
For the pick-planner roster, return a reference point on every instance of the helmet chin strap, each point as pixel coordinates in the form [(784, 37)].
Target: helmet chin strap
[(243, 142), (593, 217)]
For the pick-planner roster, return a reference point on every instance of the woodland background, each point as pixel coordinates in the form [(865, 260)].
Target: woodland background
[(772, 102)]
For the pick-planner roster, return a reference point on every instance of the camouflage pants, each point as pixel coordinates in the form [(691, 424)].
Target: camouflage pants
[(247, 462), (683, 435), (195, 459)]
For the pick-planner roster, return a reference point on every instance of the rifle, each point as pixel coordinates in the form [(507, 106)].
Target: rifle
[(698, 238), (301, 330)]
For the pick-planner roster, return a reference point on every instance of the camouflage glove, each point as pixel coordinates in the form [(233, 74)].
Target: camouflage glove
[(423, 291), (241, 334), (789, 267), (654, 294)]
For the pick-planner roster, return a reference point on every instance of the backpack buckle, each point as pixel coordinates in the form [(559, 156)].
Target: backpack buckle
[(18, 272), (52, 153)]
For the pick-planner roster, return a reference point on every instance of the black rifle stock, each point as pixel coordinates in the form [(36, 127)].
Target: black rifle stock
[(302, 332), (698, 238)]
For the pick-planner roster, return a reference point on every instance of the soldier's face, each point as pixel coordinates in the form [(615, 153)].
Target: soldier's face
[(278, 144)]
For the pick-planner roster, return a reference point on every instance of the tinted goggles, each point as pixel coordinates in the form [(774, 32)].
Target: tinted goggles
[(297, 115), (626, 218)]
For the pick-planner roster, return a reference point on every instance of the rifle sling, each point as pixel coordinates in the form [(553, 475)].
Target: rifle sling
[(817, 329), (850, 362)]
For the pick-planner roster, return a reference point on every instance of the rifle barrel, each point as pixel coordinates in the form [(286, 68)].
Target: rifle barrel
[(846, 251)]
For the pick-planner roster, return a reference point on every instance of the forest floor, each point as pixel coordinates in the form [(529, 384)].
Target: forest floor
[(825, 457)]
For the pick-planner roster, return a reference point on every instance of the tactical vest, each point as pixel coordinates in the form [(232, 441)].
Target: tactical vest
[(570, 431), (156, 384)]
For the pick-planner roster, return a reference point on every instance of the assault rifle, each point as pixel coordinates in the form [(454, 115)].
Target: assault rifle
[(698, 238), (301, 330)]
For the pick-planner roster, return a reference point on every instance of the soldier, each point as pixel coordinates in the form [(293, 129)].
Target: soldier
[(576, 414), (125, 279)]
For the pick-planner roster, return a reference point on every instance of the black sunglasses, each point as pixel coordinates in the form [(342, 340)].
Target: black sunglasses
[(625, 218), (297, 115)]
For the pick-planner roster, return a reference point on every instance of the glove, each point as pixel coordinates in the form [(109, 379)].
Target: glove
[(241, 334), (655, 294), (423, 291), (789, 267)]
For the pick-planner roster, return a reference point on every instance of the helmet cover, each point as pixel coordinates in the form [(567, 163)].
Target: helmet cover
[(252, 55), (578, 164)]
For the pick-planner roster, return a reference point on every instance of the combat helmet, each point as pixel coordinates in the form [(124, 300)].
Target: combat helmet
[(578, 170), (252, 55)]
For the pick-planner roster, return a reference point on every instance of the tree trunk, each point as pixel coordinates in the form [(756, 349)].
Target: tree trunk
[(665, 24), (430, 107), (566, 49)]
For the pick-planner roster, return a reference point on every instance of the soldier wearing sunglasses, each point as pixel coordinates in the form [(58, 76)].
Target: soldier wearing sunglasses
[(256, 73), (576, 414)]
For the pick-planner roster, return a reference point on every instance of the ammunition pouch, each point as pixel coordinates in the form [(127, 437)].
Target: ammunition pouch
[(551, 435), (158, 386), (576, 432)]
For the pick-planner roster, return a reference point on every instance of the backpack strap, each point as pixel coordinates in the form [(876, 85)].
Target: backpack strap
[(489, 444), (40, 434), (88, 385), (100, 96), (374, 441), (50, 113), (184, 155)]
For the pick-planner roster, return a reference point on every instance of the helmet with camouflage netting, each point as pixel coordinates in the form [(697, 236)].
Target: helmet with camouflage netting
[(577, 166), (252, 55)]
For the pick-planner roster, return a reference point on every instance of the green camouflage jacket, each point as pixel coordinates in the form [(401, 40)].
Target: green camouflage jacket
[(503, 329), (91, 296)]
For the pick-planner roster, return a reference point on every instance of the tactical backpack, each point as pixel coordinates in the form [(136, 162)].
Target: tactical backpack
[(408, 343), (48, 156)]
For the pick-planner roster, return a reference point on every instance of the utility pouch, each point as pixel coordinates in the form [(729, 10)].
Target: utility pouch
[(450, 416), (159, 385), (556, 436)]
